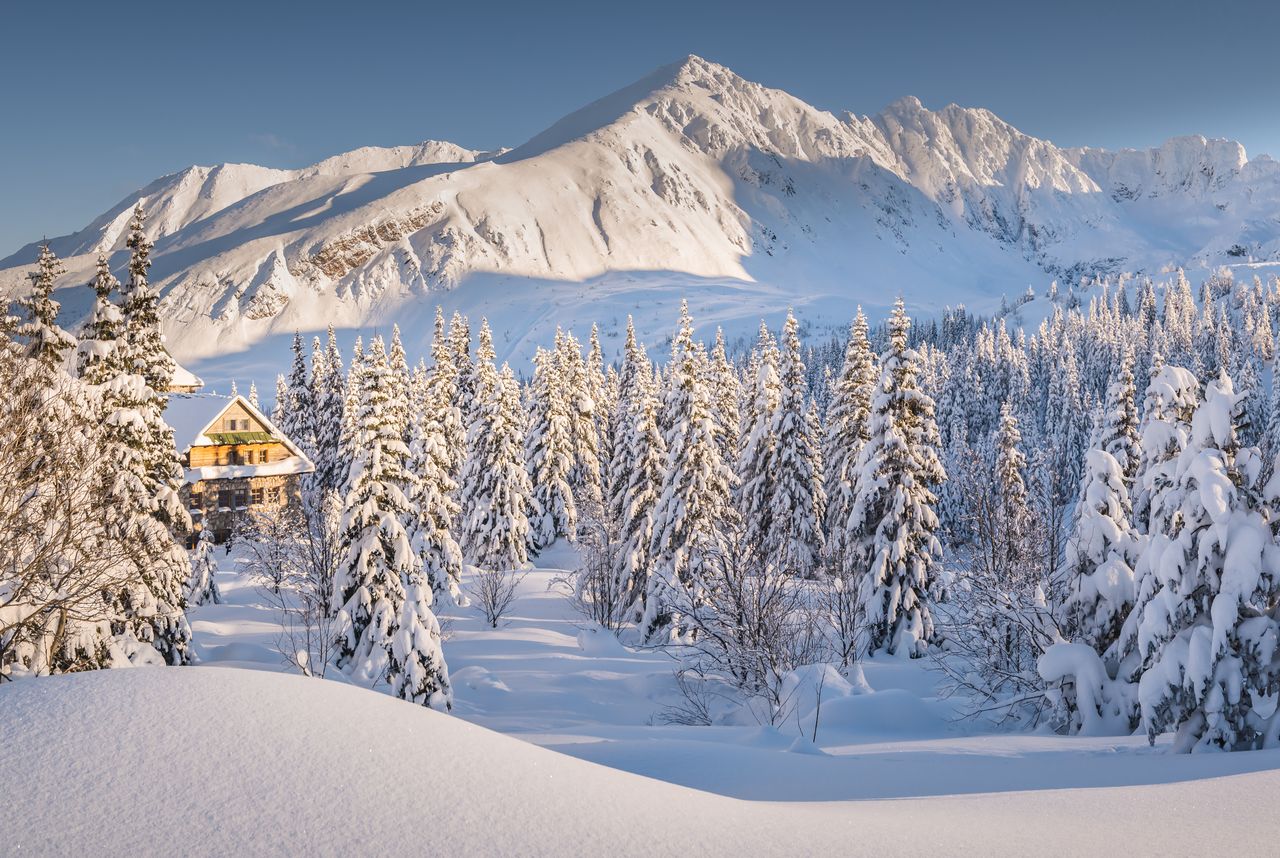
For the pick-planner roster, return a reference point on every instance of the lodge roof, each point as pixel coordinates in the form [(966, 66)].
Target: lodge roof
[(192, 416), (238, 437)]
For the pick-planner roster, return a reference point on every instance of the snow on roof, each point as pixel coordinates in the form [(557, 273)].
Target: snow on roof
[(291, 465), (191, 413), (183, 377)]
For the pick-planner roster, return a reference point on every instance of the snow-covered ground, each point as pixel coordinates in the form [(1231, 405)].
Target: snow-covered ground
[(202, 761), (254, 762)]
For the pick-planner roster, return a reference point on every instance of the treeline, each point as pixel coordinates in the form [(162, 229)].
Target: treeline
[(1075, 521)]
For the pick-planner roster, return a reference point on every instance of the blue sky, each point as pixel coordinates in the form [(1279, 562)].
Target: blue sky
[(100, 98)]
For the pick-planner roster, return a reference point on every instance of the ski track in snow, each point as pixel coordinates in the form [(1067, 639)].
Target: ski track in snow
[(547, 677)]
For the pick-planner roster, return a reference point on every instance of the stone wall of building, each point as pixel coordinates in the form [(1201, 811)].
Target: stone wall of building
[(224, 505)]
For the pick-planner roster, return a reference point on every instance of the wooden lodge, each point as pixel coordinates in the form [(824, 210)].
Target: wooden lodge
[(237, 461)]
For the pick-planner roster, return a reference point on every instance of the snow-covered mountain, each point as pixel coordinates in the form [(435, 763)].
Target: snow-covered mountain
[(692, 182)]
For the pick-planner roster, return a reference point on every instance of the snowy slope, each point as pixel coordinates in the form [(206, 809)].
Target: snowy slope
[(176, 201), (550, 678), (246, 762), (694, 181)]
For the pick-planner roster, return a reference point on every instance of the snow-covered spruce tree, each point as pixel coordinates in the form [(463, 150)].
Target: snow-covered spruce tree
[(387, 631), (549, 453), (141, 312), (1099, 578), (144, 354), (46, 343), (639, 460), (1060, 456), (328, 381), (300, 413), (486, 368), (585, 477), (1208, 636), (401, 380), (145, 512), (1085, 688), (893, 516), (464, 366), (1171, 398), (1178, 322), (442, 388), (694, 513), (1253, 420), (280, 407), (793, 542), (952, 418), (757, 451), (1005, 525), (202, 588), (604, 396), (1120, 437), (352, 388), (725, 393), (253, 395), (433, 498), (495, 492), (1270, 444), (813, 426), (998, 624), (847, 431), (97, 358)]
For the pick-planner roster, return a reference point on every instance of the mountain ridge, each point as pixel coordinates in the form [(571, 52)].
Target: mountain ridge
[(690, 176)]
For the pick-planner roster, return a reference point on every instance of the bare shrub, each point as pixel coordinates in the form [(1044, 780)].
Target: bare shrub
[(293, 552), (494, 591), (836, 603), (748, 625), (998, 624), (696, 701), (594, 588)]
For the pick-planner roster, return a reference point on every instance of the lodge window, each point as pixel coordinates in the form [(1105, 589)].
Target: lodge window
[(197, 500), (257, 497), (226, 498), (242, 498)]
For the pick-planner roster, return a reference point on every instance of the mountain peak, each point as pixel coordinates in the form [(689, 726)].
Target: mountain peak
[(689, 75), (906, 105), (695, 70)]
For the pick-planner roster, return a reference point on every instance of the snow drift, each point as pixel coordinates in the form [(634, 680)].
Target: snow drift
[(228, 761)]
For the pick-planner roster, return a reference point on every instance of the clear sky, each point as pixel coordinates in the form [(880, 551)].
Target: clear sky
[(99, 98)]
